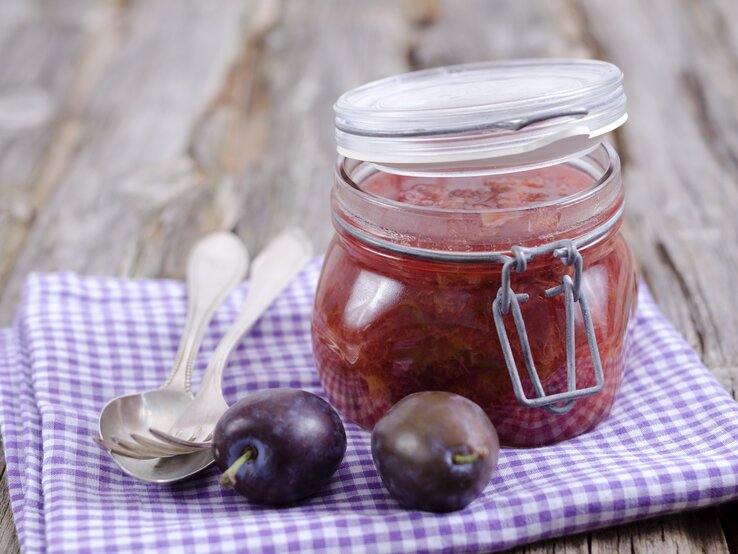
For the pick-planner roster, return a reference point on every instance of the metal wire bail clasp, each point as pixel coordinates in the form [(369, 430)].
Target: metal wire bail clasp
[(507, 300)]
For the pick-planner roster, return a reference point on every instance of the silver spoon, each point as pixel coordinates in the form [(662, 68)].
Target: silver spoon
[(272, 271), (215, 267)]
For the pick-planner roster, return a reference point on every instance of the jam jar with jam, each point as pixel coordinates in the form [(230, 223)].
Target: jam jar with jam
[(477, 211)]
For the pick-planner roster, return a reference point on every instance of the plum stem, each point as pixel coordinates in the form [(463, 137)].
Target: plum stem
[(476, 454), (228, 479)]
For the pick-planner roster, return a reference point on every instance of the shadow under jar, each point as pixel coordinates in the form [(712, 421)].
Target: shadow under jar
[(477, 247)]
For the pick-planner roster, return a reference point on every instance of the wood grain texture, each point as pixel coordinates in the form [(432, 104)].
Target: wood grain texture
[(8, 538), (130, 128), (37, 70), (126, 195)]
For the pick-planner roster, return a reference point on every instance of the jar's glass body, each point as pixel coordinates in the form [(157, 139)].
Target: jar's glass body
[(388, 322)]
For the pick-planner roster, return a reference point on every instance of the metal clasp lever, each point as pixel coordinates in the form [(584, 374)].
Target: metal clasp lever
[(507, 300)]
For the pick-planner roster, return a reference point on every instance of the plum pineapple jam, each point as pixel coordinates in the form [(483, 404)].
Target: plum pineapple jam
[(477, 250)]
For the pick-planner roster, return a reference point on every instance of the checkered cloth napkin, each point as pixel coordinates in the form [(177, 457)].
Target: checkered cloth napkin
[(670, 444)]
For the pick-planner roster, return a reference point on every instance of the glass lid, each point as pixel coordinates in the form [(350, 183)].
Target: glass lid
[(492, 114)]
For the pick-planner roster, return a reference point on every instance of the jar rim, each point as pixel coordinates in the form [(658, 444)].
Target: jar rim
[(594, 188), (444, 233)]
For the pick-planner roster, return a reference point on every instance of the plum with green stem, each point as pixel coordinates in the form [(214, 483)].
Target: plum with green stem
[(435, 451), (278, 446)]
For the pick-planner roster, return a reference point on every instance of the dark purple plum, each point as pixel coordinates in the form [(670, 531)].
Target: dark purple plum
[(277, 446), (435, 451)]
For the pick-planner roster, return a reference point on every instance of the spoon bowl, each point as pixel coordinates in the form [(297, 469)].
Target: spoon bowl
[(135, 412)]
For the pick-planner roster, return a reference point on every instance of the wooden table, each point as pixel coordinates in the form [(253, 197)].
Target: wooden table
[(130, 128)]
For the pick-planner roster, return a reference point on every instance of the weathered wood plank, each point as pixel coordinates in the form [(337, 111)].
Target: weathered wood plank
[(41, 54), (127, 188), (690, 532), (8, 538)]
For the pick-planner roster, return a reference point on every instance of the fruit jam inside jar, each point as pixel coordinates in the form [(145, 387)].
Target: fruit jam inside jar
[(477, 247)]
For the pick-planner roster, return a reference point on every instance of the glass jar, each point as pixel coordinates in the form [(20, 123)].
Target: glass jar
[(477, 247)]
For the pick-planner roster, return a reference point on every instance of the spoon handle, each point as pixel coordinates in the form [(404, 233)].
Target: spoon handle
[(271, 272), (216, 265)]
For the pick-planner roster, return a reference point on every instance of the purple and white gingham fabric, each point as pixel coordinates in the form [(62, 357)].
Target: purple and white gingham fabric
[(670, 443)]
